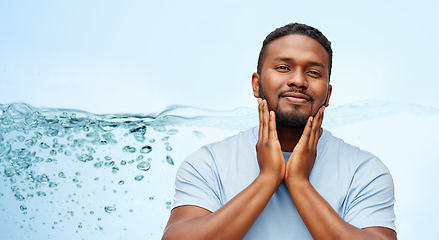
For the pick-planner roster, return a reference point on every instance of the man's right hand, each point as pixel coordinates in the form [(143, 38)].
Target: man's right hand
[(268, 148)]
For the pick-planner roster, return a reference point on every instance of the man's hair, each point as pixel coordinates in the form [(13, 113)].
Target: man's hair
[(296, 28)]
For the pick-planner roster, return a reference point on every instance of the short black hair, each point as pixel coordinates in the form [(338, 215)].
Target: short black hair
[(296, 28)]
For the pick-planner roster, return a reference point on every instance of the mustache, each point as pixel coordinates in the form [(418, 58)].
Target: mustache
[(295, 90)]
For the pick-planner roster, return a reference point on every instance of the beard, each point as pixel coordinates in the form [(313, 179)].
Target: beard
[(287, 119)]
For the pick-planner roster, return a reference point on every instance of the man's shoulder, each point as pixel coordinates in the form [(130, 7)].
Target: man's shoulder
[(350, 155), (335, 143)]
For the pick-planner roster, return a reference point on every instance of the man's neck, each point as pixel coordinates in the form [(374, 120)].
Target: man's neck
[(288, 138)]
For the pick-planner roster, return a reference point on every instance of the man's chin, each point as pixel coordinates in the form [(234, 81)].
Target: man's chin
[(294, 121)]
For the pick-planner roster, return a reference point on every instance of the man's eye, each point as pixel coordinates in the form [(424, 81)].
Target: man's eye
[(314, 73), (283, 68)]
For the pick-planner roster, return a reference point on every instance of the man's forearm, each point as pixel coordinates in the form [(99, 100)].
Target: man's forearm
[(321, 219), (233, 220)]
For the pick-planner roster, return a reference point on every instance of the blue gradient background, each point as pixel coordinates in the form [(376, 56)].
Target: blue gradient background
[(141, 56)]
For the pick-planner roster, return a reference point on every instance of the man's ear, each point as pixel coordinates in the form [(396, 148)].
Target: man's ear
[(329, 95), (255, 84)]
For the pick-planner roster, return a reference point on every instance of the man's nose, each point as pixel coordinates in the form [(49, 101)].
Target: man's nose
[(298, 79)]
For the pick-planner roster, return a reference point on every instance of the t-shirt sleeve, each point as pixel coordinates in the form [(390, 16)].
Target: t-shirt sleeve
[(371, 197), (197, 182)]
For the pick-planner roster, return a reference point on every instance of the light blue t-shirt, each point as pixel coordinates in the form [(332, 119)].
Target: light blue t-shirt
[(355, 183)]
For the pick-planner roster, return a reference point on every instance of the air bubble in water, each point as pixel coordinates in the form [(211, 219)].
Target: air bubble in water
[(121, 182), (84, 157), (109, 164), (41, 194), (129, 149), (165, 138), (172, 132), (146, 149), (61, 175), (138, 177), (44, 145), (123, 163), (169, 160), (23, 208), (168, 148), (30, 142), (198, 134), (144, 166), (109, 209)]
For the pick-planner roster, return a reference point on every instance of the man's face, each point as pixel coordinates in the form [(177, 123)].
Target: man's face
[(294, 79)]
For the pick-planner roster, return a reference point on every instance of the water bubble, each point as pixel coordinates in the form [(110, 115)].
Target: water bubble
[(68, 153), (144, 166), (152, 140), (30, 196), (121, 182), (41, 194), (52, 185), (43, 179), (14, 188), (18, 197), (109, 164), (18, 110), (61, 175), (140, 157), (129, 149), (168, 148), (146, 149), (92, 212), (51, 132), (77, 173), (172, 132), (20, 138), (44, 145), (84, 157), (9, 171), (169, 160), (109, 209), (198, 134), (38, 135), (123, 163), (107, 158), (159, 129), (52, 152), (114, 169), (138, 131), (23, 208), (165, 138), (30, 142), (98, 164), (138, 177)]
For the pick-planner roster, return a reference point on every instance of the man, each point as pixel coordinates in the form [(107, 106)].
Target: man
[(289, 178)]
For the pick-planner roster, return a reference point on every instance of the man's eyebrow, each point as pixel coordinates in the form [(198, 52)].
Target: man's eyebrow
[(284, 59), (317, 64), (312, 63)]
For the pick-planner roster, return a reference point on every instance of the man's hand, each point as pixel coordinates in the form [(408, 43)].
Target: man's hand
[(270, 157), (302, 159)]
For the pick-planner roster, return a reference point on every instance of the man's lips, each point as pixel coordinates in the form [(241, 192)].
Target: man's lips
[(295, 97)]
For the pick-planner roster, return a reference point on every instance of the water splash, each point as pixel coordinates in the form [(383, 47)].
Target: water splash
[(57, 163)]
